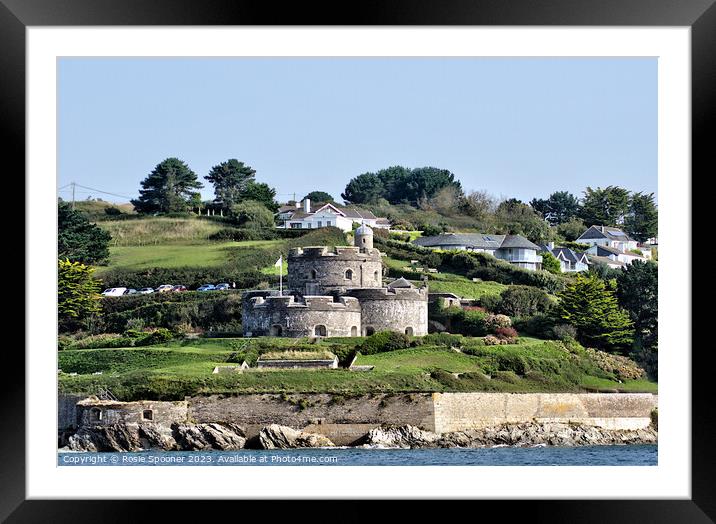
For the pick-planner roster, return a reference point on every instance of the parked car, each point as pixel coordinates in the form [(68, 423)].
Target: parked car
[(164, 288), (114, 292), (206, 287), (222, 287), (131, 291), (146, 290), (179, 288)]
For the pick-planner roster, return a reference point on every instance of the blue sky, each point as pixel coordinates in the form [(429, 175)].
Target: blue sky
[(514, 127)]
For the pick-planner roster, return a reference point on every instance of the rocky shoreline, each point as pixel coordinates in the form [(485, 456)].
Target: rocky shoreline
[(231, 437)]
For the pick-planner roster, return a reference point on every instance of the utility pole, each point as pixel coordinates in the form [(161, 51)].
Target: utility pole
[(73, 196)]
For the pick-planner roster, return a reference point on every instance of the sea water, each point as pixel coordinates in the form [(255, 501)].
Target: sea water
[(628, 455)]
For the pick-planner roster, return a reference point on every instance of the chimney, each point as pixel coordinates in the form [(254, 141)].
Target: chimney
[(297, 204), (550, 245), (306, 205)]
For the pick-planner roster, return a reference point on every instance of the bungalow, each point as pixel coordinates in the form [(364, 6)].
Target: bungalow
[(515, 249), (569, 260), (612, 263), (607, 236), (305, 215)]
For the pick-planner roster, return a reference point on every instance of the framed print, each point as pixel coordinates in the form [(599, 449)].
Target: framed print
[(408, 253)]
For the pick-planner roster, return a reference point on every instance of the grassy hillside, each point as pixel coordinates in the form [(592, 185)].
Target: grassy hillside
[(152, 231), (176, 369)]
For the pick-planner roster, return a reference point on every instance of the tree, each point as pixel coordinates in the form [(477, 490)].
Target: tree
[(478, 204), (230, 180), (363, 189), (319, 196), (604, 207), (560, 207), (77, 294), (550, 263), (168, 188), (523, 301), (571, 230), (78, 240), (252, 215), (638, 294), (642, 220), (592, 307), (514, 217), (261, 192)]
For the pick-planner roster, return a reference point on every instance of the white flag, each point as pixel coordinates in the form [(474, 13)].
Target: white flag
[(279, 262)]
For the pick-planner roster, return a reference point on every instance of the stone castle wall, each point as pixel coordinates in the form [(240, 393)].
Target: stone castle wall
[(402, 310), (288, 317), (320, 270)]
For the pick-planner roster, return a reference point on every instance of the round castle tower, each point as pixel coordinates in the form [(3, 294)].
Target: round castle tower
[(358, 303)]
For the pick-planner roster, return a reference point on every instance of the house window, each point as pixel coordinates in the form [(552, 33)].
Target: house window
[(320, 223), (147, 414), (295, 225), (349, 274), (328, 223), (320, 331)]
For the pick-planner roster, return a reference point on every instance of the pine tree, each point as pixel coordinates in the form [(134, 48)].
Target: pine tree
[(231, 179), (592, 307), (168, 188), (77, 293)]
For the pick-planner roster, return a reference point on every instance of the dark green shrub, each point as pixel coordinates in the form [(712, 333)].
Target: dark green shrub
[(523, 301), (384, 341), (443, 339), (511, 362), (539, 325)]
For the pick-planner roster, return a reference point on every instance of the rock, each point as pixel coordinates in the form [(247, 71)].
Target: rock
[(114, 437), (195, 437), (283, 437), (402, 437)]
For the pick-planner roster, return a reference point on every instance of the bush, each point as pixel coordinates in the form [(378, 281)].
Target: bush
[(492, 340), (564, 332), (506, 333), (506, 376), (384, 341), (522, 301), (240, 235), (493, 322), (443, 339), (539, 325)]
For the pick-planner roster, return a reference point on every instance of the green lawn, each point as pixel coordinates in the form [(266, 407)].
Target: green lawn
[(187, 254), (176, 369)]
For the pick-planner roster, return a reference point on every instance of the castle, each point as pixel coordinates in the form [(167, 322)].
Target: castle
[(336, 292)]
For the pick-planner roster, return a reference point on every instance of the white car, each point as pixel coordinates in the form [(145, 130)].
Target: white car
[(145, 290), (114, 291)]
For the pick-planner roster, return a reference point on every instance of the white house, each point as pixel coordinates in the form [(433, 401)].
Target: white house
[(305, 215), (515, 249), (607, 236), (569, 260)]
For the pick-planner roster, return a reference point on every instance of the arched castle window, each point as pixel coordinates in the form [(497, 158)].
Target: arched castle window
[(409, 331), (313, 274), (349, 274), (376, 276), (147, 414), (320, 330), (354, 331), (369, 330), (276, 330)]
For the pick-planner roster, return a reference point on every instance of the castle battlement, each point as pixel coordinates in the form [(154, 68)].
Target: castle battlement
[(383, 293), (335, 253), (314, 303)]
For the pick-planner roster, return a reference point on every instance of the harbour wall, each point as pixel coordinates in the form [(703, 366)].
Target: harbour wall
[(345, 419)]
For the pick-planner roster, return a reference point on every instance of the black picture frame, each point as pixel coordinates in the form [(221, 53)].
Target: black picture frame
[(699, 15)]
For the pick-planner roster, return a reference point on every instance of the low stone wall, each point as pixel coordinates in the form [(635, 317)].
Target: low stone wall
[(462, 411)]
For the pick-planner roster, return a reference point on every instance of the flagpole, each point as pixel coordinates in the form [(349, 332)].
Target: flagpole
[(280, 277)]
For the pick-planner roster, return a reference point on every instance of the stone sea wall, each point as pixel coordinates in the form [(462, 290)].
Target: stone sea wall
[(347, 419)]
